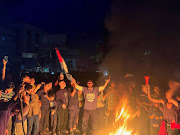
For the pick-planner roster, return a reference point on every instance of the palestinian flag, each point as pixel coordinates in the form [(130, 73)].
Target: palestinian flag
[(63, 65)]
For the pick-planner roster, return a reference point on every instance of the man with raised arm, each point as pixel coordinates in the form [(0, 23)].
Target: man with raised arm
[(4, 69), (90, 95)]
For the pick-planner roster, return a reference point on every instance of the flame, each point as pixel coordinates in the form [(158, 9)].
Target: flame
[(121, 120)]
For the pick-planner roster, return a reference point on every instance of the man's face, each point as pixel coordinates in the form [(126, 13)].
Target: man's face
[(32, 80), (174, 85), (90, 84), (16, 109), (27, 79), (61, 76), (156, 89), (62, 84), (49, 86), (30, 91), (16, 112)]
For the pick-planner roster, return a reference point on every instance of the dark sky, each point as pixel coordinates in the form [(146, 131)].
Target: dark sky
[(82, 20)]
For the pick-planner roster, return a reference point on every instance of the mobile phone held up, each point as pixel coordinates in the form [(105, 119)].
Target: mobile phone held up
[(6, 58)]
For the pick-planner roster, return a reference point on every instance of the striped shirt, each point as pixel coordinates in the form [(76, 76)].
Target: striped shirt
[(7, 97)]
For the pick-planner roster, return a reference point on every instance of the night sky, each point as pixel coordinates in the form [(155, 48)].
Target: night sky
[(85, 20), (82, 20)]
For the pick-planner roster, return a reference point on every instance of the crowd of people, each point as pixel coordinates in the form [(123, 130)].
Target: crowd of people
[(52, 108)]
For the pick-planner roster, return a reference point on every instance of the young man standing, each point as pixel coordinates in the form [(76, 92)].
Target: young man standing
[(73, 111), (90, 95), (34, 111), (62, 96), (44, 121)]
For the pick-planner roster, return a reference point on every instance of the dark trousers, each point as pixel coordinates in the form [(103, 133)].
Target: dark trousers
[(73, 117), (81, 113), (62, 120), (101, 118), (44, 121), (33, 125), (53, 118), (93, 115)]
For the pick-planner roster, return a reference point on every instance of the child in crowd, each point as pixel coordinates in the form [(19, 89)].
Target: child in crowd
[(53, 111)]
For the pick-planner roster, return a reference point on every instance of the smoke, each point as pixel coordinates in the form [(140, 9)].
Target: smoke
[(143, 38)]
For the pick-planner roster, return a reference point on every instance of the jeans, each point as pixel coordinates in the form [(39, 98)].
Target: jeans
[(73, 117), (93, 115), (33, 125), (81, 113)]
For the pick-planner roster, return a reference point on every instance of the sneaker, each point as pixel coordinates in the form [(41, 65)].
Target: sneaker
[(76, 130), (71, 132), (65, 131)]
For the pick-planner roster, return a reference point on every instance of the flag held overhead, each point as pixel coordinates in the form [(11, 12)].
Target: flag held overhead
[(63, 65)]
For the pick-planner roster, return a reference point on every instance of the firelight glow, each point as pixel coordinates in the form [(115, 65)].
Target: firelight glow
[(122, 117)]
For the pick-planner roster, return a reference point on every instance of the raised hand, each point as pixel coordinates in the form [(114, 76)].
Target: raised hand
[(38, 86), (43, 83), (73, 80), (4, 62), (109, 79)]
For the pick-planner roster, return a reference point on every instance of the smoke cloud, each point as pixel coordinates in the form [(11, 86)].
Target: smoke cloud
[(143, 38)]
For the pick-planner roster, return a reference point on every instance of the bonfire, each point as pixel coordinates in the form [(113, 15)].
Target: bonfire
[(122, 117)]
